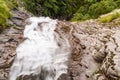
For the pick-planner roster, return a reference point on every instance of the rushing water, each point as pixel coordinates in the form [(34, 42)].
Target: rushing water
[(40, 52)]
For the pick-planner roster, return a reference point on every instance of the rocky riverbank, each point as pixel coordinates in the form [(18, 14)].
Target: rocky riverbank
[(95, 51)]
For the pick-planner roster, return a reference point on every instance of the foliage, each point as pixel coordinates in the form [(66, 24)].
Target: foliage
[(76, 10), (4, 13), (118, 3), (52, 8), (5, 6), (110, 16), (94, 10)]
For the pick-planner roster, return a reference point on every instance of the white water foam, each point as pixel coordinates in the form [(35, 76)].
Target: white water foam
[(40, 51)]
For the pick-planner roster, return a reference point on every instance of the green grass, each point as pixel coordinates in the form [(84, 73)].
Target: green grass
[(110, 16), (5, 6)]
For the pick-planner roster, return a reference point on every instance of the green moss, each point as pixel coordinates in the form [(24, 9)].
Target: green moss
[(110, 16), (16, 27)]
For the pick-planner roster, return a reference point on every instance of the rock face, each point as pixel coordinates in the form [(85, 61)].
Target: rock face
[(100, 60), (9, 40), (95, 51)]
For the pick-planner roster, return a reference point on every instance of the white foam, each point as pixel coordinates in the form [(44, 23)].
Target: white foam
[(39, 51)]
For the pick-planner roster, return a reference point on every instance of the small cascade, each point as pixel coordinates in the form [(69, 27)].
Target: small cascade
[(40, 53)]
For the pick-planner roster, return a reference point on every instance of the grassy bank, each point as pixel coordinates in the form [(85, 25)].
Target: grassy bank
[(5, 14)]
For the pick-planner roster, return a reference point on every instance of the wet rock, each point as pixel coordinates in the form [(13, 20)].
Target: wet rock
[(64, 77), (9, 40), (19, 16), (95, 51)]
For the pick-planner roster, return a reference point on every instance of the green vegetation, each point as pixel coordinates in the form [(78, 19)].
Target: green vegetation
[(110, 16), (95, 9), (53, 8), (5, 6), (4, 14), (74, 10)]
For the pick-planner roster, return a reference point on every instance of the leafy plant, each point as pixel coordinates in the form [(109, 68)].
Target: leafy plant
[(74, 10), (94, 9), (5, 6), (53, 8)]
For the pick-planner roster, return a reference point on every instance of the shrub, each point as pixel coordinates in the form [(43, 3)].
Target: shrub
[(5, 6), (52, 8), (74, 10), (95, 9), (4, 13), (81, 14), (118, 3), (101, 8)]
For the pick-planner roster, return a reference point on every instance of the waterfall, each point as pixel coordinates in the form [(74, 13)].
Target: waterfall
[(40, 53)]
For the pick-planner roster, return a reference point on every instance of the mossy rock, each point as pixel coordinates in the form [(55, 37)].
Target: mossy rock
[(110, 16)]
